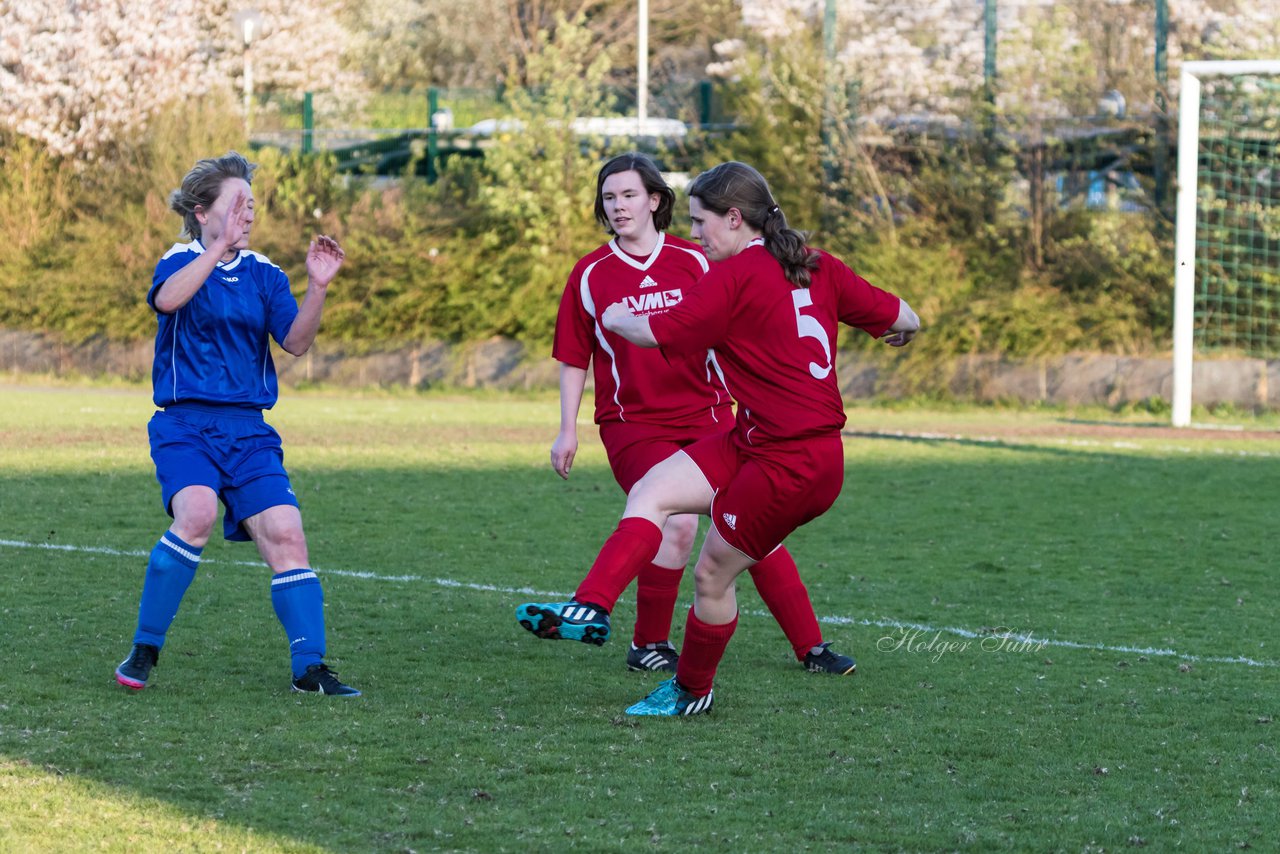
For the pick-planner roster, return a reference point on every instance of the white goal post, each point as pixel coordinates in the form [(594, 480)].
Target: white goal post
[(1185, 236)]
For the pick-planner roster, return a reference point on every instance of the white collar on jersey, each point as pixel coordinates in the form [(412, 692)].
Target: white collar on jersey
[(755, 241), (630, 259), (221, 265)]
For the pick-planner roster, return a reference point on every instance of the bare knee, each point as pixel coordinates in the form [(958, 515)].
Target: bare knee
[(285, 550), (277, 532), (195, 510), (643, 500), (709, 579), (679, 533), (288, 540)]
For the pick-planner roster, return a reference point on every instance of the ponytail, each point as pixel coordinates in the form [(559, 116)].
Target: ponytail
[(789, 246)]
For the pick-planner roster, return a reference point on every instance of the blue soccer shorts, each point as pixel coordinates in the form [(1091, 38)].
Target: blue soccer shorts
[(231, 450)]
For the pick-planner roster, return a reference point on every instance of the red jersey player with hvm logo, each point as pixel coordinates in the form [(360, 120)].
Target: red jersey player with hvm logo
[(649, 405), (770, 309)]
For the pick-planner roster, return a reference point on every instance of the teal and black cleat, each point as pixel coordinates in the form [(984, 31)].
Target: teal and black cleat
[(578, 621), (830, 661), (671, 699)]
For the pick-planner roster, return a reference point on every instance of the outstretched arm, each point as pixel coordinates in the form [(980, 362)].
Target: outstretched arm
[(619, 320), (324, 259), (904, 328)]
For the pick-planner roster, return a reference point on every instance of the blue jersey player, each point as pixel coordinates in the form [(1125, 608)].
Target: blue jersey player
[(216, 303)]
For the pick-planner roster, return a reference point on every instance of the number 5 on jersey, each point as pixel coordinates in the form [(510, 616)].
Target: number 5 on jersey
[(809, 327)]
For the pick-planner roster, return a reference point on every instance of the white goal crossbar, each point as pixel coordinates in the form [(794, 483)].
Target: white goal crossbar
[(1184, 279)]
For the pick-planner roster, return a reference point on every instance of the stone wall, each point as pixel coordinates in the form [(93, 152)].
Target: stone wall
[(1079, 378)]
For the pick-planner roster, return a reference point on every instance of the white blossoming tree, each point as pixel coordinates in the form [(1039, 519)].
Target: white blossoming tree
[(926, 58), (76, 74)]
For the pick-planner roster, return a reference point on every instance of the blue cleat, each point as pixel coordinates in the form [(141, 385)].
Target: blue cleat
[(566, 621), (671, 699)]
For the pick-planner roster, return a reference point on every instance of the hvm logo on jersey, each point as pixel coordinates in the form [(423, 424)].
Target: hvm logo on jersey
[(654, 301)]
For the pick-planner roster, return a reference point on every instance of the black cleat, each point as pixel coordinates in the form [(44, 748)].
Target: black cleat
[(319, 679), (134, 670), (828, 661), (653, 656)]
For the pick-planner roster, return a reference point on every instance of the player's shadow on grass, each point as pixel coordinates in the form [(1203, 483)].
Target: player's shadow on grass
[(1192, 430), (1090, 452)]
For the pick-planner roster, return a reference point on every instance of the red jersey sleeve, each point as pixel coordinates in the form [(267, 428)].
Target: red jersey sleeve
[(574, 337), (701, 320), (859, 303)]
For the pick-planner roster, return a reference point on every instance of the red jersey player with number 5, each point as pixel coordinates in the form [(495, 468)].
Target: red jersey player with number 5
[(649, 405), (770, 309)]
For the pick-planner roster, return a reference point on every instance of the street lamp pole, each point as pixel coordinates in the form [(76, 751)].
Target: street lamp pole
[(642, 68), (250, 22)]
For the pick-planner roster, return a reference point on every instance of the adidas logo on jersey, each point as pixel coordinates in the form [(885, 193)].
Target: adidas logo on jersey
[(731, 520), (654, 301), (648, 282)]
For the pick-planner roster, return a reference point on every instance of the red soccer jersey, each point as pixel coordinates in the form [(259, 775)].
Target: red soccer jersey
[(639, 384), (775, 342)]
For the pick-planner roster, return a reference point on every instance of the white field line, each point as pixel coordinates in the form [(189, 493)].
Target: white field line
[(909, 634), (1117, 444)]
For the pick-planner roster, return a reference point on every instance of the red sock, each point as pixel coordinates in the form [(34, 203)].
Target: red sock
[(656, 592), (703, 648), (784, 594), (631, 545)]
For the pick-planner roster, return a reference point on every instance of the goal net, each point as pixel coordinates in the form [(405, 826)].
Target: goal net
[(1227, 252)]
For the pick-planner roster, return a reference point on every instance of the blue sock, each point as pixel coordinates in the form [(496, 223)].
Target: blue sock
[(170, 570), (299, 603)]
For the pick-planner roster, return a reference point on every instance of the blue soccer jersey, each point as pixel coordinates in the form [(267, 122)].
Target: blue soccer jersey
[(215, 349)]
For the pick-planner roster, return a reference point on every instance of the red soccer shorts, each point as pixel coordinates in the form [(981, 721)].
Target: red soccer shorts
[(634, 448), (762, 494)]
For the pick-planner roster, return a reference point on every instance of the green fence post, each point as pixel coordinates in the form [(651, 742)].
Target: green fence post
[(433, 142), (308, 124), (704, 102)]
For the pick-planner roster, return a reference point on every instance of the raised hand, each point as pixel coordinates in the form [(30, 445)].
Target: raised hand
[(324, 259), (235, 225)]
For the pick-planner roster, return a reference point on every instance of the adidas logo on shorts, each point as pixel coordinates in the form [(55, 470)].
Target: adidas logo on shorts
[(731, 520)]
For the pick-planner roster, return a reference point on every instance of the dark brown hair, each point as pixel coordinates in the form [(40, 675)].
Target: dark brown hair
[(737, 185), (650, 176)]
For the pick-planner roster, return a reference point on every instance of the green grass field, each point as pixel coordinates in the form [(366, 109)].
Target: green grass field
[(1065, 625)]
